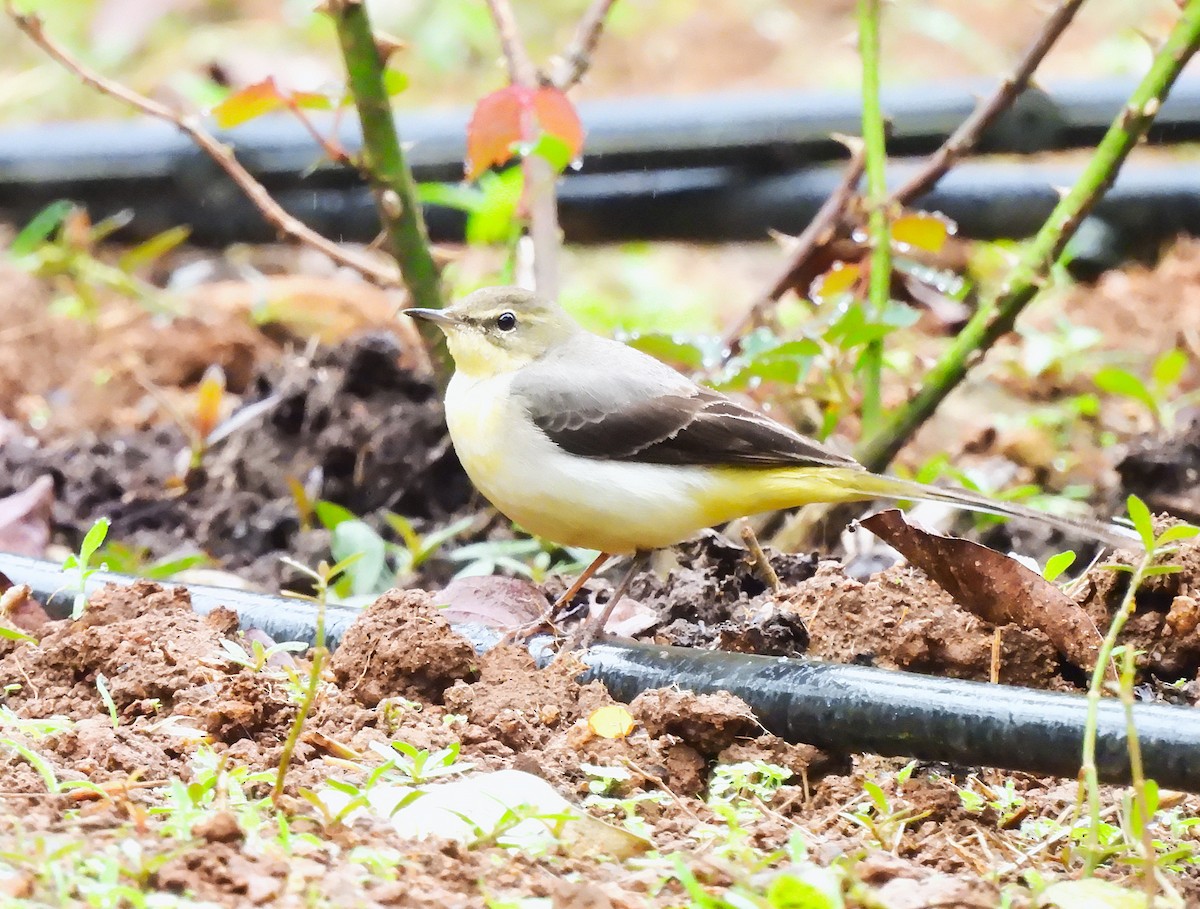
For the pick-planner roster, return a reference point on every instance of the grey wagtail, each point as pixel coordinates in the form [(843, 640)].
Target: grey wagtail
[(587, 442)]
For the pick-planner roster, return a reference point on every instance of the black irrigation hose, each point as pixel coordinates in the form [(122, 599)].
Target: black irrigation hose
[(723, 167), (837, 707)]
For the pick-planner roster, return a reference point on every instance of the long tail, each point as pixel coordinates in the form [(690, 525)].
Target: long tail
[(887, 487)]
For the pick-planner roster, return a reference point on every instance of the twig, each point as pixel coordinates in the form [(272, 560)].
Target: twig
[(970, 130), (878, 227), (758, 559), (540, 194), (568, 69), (996, 319), (820, 230), (272, 211)]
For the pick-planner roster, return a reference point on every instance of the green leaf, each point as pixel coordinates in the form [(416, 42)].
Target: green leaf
[(811, 887), (450, 195), (157, 246), (40, 227), (1121, 382), (1139, 514), (496, 217), (330, 514), (394, 81), (1136, 821), (878, 798), (672, 348), (1090, 893), (1177, 532), (92, 541), (1168, 369), (354, 537), (13, 635), (1057, 564), (1155, 570)]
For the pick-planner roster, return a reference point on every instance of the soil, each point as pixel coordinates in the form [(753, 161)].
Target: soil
[(141, 691), (356, 421)]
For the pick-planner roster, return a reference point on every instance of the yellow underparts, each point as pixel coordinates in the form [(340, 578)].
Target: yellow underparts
[(739, 491)]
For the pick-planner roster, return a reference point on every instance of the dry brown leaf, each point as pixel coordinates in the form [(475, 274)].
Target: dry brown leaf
[(25, 519), (501, 603), (998, 589)]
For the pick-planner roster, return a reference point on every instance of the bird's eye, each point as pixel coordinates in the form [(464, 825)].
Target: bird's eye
[(506, 321)]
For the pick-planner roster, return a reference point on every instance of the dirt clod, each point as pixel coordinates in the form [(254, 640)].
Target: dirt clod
[(401, 646), (707, 722)]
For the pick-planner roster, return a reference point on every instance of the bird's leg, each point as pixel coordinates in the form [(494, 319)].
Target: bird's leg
[(561, 603), (595, 625), (546, 621)]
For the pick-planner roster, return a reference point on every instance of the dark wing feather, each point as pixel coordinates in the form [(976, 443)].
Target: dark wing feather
[(659, 417)]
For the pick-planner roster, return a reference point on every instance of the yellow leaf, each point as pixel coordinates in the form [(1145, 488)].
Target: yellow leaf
[(611, 722), (839, 279), (209, 395), (922, 230)]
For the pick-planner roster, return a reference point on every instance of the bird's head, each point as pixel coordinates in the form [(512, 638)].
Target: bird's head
[(499, 329)]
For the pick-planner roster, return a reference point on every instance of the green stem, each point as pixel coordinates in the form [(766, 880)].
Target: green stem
[(1089, 782), (875, 149), (385, 166), (313, 685), (997, 317)]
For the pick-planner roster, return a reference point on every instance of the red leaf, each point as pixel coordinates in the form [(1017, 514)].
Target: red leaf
[(557, 116), (517, 114), (499, 120)]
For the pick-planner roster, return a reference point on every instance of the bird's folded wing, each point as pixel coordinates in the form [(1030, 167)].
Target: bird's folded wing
[(640, 417)]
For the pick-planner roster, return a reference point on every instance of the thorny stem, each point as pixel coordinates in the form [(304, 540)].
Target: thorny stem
[(381, 273), (387, 170), (540, 192), (969, 131), (875, 146), (996, 318)]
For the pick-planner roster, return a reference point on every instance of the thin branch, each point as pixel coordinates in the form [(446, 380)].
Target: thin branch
[(878, 227), (570, 67), (968, 133), (996, 319), (521, 70), (385, 167), (820, 230), (288, 225), (540, 194)]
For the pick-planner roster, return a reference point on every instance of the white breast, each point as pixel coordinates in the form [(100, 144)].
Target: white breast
[(613, 506)]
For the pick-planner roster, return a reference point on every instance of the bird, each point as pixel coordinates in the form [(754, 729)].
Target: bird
[(587, 442)]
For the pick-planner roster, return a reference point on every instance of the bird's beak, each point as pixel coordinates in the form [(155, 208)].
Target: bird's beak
[(436, 316)]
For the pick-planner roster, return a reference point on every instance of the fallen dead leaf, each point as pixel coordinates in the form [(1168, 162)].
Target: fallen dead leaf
[(993, 586), (25, 519), (501, 603)]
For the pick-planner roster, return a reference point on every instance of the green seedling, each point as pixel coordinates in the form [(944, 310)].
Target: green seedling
[(1099, 840), (416, 766), (527, 557), (136, 561), (1160, 396), (259, 656), (78, 567), (323, 576), (60, 244), (1057, 564), (381, 564), (107, 698)]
